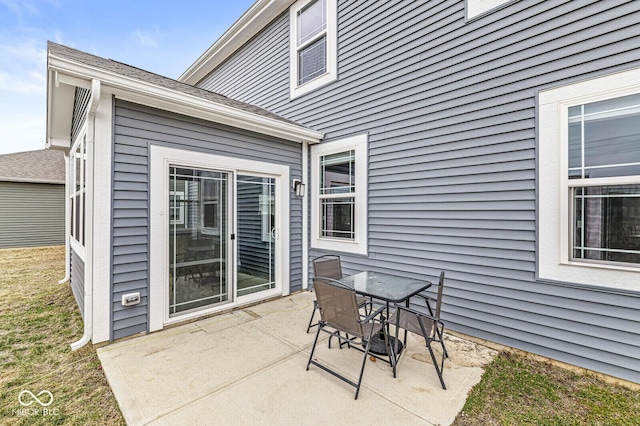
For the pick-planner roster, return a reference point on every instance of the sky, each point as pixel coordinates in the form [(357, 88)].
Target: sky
[(161, 36)]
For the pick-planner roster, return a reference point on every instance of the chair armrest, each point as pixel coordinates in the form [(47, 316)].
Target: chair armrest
[(416, 312), (426, 296), (438, 325), (372, 315)]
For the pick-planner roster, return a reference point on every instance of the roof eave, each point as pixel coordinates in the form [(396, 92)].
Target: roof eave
[(139, 91), (248, 25)]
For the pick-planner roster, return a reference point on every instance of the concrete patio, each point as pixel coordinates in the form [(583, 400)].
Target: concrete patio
[(248, 367)]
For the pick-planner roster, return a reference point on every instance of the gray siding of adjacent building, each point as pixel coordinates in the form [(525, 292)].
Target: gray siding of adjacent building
[(136, 127), (76, 274), (450, 109), (31, 214)]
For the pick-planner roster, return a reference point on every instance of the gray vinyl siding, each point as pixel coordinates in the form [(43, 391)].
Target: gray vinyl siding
[(76, 272), (450, 109), (136, 127), (31, 214)]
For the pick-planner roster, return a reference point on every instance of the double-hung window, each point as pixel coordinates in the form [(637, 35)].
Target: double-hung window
[(339, 171), (77, 167), (313, 45), (589, 182), (604, 179)]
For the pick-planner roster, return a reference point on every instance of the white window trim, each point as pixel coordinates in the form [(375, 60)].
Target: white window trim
[(554, 218), (359, 143), (478, 7), (78, 151), (332, 50)]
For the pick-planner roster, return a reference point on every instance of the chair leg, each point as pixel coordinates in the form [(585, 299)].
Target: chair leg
[(314, 345), (364, 362), (313, 314), (440, 367)]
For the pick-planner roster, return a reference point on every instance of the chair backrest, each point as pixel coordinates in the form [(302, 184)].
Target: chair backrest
[(328, 266), (439, 297), (338, 306)]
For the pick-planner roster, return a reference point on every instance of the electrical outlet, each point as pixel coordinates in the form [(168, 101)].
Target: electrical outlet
[(130, 299)]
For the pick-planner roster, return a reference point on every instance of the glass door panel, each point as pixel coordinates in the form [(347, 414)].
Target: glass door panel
[(256, 234), (198, 238)]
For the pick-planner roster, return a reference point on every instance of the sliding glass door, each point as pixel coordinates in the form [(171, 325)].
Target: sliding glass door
[(198, 239), (202, 241)]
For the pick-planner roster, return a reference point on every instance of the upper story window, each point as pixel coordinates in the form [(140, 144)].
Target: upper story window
[(589, 182), (339, 188), (313, 45)]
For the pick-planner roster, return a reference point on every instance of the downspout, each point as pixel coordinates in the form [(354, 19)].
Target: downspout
[(88, 216), (305, 217), (67, 221)]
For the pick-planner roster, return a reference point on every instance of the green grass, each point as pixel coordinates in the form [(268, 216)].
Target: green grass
[(515, 390), (39, 319)]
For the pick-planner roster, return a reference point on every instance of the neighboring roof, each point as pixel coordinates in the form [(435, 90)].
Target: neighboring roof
[(69, 68), (259, 15), (42, 166)]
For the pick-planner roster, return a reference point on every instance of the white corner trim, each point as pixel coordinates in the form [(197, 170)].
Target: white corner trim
[(553, 194), (102, 221)]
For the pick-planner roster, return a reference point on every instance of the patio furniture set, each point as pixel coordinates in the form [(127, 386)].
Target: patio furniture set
[(348, 313)]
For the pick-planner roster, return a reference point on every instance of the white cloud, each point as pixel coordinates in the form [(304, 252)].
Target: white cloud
[(21, 7), (23, 67), (147, 38), (22, 132)]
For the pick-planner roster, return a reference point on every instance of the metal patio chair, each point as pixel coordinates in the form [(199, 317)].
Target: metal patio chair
[(329, 266), (426, 325), (340, 313)]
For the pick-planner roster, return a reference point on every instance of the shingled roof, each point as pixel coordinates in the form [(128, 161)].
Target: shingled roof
[(125, 70), (42, 166)]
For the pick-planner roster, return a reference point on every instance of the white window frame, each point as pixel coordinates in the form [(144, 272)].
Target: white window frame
[(178, 210), (554, 216), (478, 7), (359, 144), (331, 33), (78, 195)]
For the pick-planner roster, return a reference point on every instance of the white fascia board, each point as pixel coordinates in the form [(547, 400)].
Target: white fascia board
[(175, 101), (248, 25)]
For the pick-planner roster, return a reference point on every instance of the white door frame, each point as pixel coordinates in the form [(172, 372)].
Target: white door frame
[(160, 159)]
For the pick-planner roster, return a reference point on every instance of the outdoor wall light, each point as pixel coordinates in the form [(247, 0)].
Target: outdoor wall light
[(298, 187)]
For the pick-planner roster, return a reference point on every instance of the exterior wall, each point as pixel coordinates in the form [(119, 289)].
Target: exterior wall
[(76, 271), (136, 127), (32, 214), (450, 108)]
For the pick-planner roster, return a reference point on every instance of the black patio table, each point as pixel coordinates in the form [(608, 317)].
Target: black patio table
[(388, 288)]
